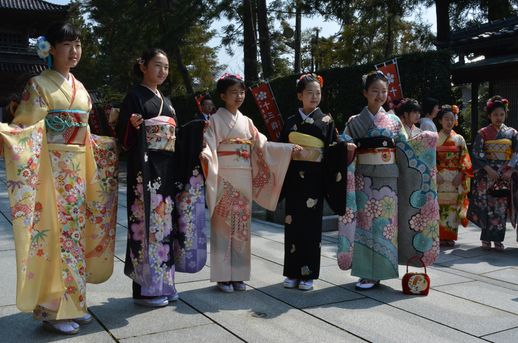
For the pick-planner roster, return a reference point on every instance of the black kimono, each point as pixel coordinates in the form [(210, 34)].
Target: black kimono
[(151, 191), (304, 190)]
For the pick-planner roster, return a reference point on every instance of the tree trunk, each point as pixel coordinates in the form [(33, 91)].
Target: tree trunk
[(390, 35), (186, 76), (249, 43), (442, 11), (298, 34), (264, 39)]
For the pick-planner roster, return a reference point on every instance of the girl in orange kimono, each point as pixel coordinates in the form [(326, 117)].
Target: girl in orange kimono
[(453, 178)]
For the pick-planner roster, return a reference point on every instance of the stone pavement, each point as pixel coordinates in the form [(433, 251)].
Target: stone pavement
[(474, 298)]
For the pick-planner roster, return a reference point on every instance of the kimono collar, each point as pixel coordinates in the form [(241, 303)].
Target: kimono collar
[(67, 88), (305, 116)]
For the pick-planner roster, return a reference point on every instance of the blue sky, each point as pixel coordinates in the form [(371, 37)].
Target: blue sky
[(235, 63)]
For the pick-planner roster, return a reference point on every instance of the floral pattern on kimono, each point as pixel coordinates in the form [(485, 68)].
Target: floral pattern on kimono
[(453, 158)]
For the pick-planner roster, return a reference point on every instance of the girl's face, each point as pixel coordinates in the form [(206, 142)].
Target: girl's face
[(412, 117), (310, 96), (497, 117), (377, 93), (448, 121), (156, 70), (233, 97), (66, 54)]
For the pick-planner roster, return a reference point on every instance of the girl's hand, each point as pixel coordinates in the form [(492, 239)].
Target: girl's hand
[(351, 146), (457, 180), (493, 175), (136, 120), (203, 158), (296, 148)]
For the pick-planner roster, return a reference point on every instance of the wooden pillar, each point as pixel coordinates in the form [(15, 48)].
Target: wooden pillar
[(474, 110)]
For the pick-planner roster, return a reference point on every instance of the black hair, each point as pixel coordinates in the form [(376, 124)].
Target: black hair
[(144, 59), (495, 102), (428, 105), (306, 79), (372, 77), (445, 109), (228, 81), (406, 106), (62, 32), (205, 98)]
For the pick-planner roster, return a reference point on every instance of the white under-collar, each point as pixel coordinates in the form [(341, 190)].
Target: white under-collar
[(305, 116)]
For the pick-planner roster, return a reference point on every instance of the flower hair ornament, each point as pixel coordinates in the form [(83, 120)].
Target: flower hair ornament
[(312, 77), (140, 60), (378, 74), (228, 75), (43, 50), (491, 103)]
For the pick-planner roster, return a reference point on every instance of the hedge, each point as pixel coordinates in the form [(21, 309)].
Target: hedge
[(422, 74)]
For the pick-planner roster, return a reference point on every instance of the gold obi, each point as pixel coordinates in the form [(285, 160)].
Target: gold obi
[(448, 157), (160, 133), (312, 147), (235, 154), (376, 156), (66, 126), (498, 149)]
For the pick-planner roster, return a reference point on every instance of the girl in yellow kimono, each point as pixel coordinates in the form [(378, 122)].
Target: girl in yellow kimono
[(62, 186), (240, 166), (453, 178)]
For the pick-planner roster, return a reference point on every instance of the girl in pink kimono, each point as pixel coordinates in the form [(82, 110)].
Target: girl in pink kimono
[(240, 166)]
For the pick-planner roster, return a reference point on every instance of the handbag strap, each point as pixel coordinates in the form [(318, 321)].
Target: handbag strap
[(415, 257)]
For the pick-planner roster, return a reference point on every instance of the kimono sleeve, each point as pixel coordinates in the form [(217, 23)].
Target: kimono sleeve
[(479, 157), (126, 133), (33, 106), (270, 161)]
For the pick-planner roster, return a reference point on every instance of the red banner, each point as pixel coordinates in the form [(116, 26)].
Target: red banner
[(390, 69), (198, 98), (264, 99)]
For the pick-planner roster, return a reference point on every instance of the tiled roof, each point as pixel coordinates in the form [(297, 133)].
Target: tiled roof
[(31, 5), (496, 33)]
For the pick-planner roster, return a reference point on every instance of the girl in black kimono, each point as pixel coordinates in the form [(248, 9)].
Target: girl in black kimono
[(304, 185), (147, 130)]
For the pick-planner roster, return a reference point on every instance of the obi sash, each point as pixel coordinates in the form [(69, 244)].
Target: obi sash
[(160, 133), (498, 149), (313, 148), (448, 157), (376, 151), (66, 126), (235, 154)]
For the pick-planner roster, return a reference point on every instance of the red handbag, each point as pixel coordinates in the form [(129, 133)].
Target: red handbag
[(416, 283)]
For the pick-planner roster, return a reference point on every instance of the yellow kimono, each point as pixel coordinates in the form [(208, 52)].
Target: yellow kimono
[(62, 187)]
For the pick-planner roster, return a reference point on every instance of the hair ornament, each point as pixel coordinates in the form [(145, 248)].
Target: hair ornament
[(492, 102), (227, 75), (312, 77), (43, 49)]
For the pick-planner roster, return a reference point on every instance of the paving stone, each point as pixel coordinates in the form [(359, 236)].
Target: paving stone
[(8, 283), (378, 322), (210, 333), (267, 277), (256, 317), (19, 327), (487, 263), (483, 293), (508, 274), (508, 336)]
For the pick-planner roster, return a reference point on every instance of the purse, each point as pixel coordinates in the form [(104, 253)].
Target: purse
[(416, 283)]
